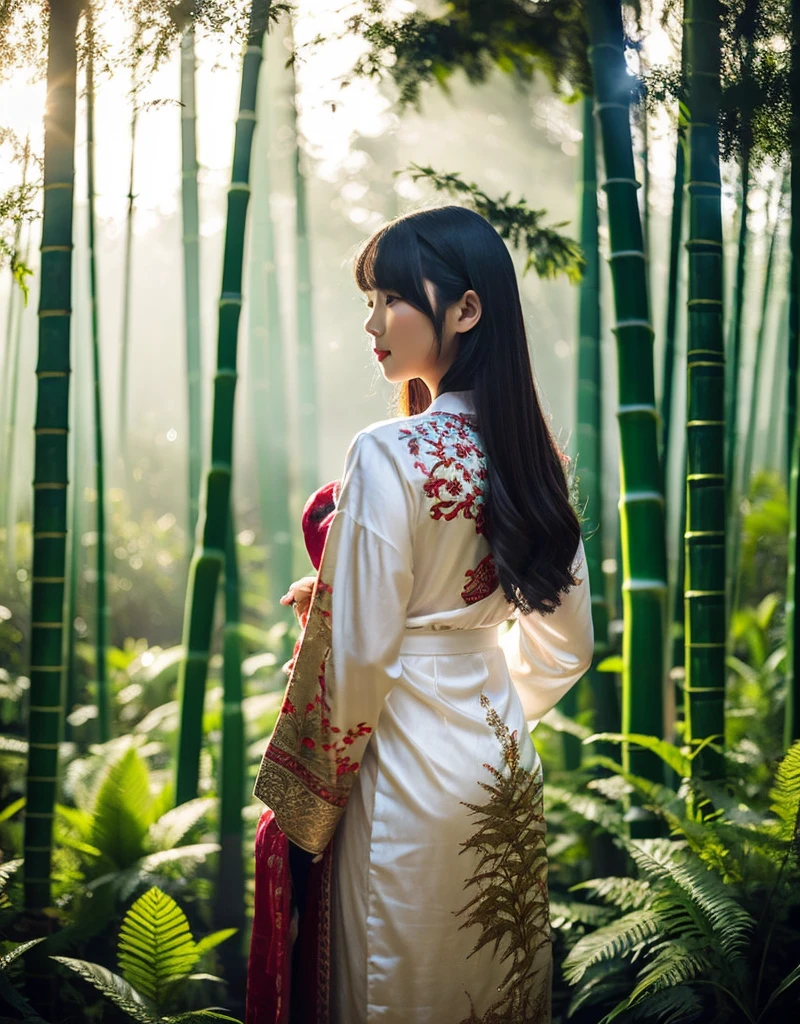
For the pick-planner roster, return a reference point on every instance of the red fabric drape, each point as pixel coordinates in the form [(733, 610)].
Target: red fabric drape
[(268, 969)]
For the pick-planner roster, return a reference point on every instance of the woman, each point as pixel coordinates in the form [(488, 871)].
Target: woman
[(402, 752)]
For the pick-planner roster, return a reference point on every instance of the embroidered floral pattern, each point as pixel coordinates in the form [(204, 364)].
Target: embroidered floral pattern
[(508, 899), (445, 447), (311, 722), (481, 581)]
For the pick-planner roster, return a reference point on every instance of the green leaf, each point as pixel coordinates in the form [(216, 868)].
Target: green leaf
[(670, 754), (122, 811), (23, 947), (613, 663), (169, 830), (787, 982), (8, 812), (199, 1017), (213, 940), (155, 945), (110, 984)]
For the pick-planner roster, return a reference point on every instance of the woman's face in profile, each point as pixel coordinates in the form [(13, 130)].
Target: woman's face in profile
[(403, 338)]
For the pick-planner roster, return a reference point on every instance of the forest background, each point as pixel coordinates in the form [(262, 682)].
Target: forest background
[(329, 163)]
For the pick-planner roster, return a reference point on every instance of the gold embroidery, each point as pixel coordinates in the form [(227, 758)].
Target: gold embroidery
[(305, 777), (511, 903)]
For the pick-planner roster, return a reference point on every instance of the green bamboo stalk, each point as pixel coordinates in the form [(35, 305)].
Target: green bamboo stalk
[(229, 910), (775, 444), (267, 377), (127, 281), (306, 364), (704, 688), (759, 359), (676, 223), (590, 448), (733, 367), (10, 513), (209, 553), (791, 728), (101, 610), (641, 500), (190, 208), (9, 381), (50, 460)]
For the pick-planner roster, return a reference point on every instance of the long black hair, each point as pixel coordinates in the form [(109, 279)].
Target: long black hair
[(532, 528)]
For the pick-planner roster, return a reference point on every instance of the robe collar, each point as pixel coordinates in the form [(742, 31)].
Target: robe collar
[(454, 401)]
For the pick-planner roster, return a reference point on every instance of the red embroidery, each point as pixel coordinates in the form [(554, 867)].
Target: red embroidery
[(446, 449), (481, 581)]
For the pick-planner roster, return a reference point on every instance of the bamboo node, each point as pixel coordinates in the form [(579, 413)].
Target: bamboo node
[(42, 313), (644, 584), (619, 253)]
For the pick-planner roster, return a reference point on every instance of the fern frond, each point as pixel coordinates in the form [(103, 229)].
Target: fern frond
[(155, 945), (117, 989), (785, 793), (729, 922), (149, 868), (676, 963), (624, 893), (121, 814), (170, 829), (8, 959), (618, 939), (578, 913), (678, 1005)]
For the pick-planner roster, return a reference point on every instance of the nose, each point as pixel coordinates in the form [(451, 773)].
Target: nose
[(372, 328)]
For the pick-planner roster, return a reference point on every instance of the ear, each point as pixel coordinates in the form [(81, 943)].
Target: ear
[(469, 311)]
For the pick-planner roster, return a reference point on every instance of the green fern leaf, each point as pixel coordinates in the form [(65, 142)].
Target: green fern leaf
[(122, 811), (118, 990), (198, 1017), (680, 870), (155, 945), (209, 942), (785, 793), (626, 935), (624, 893), (678, 1005), (147, 870), (676, 963), (170, 829), (8, 959)]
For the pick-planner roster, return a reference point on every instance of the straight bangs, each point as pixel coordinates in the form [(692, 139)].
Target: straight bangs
[(391, 261)]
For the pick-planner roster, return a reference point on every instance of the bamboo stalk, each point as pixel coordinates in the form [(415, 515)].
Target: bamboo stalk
[(190, 209), (706, 633), (759, 358), (209, 553), (229, 909), (791, 729), (45, 723), (306, 365), (267, 377), (590, 448), (101, 610), (641, 500)]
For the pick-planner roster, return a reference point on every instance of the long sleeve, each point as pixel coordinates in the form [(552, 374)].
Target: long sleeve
[(548, 654), (348, 658)]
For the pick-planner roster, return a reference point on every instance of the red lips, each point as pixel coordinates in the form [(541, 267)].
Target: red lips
[(381, 354)]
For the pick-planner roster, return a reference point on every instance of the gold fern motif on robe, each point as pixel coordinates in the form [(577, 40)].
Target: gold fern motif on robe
[(509, 900)]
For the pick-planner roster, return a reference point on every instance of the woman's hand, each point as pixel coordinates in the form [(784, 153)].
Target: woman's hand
[(299, 596)]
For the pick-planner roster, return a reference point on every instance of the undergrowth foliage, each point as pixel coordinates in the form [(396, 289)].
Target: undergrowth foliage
[(713, 917)]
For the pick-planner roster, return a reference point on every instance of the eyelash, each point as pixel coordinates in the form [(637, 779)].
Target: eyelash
[(396, 297)]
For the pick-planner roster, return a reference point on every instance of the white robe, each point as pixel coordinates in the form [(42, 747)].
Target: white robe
[(408, 593)]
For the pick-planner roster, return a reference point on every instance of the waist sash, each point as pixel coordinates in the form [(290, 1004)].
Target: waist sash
[(450, 641)]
